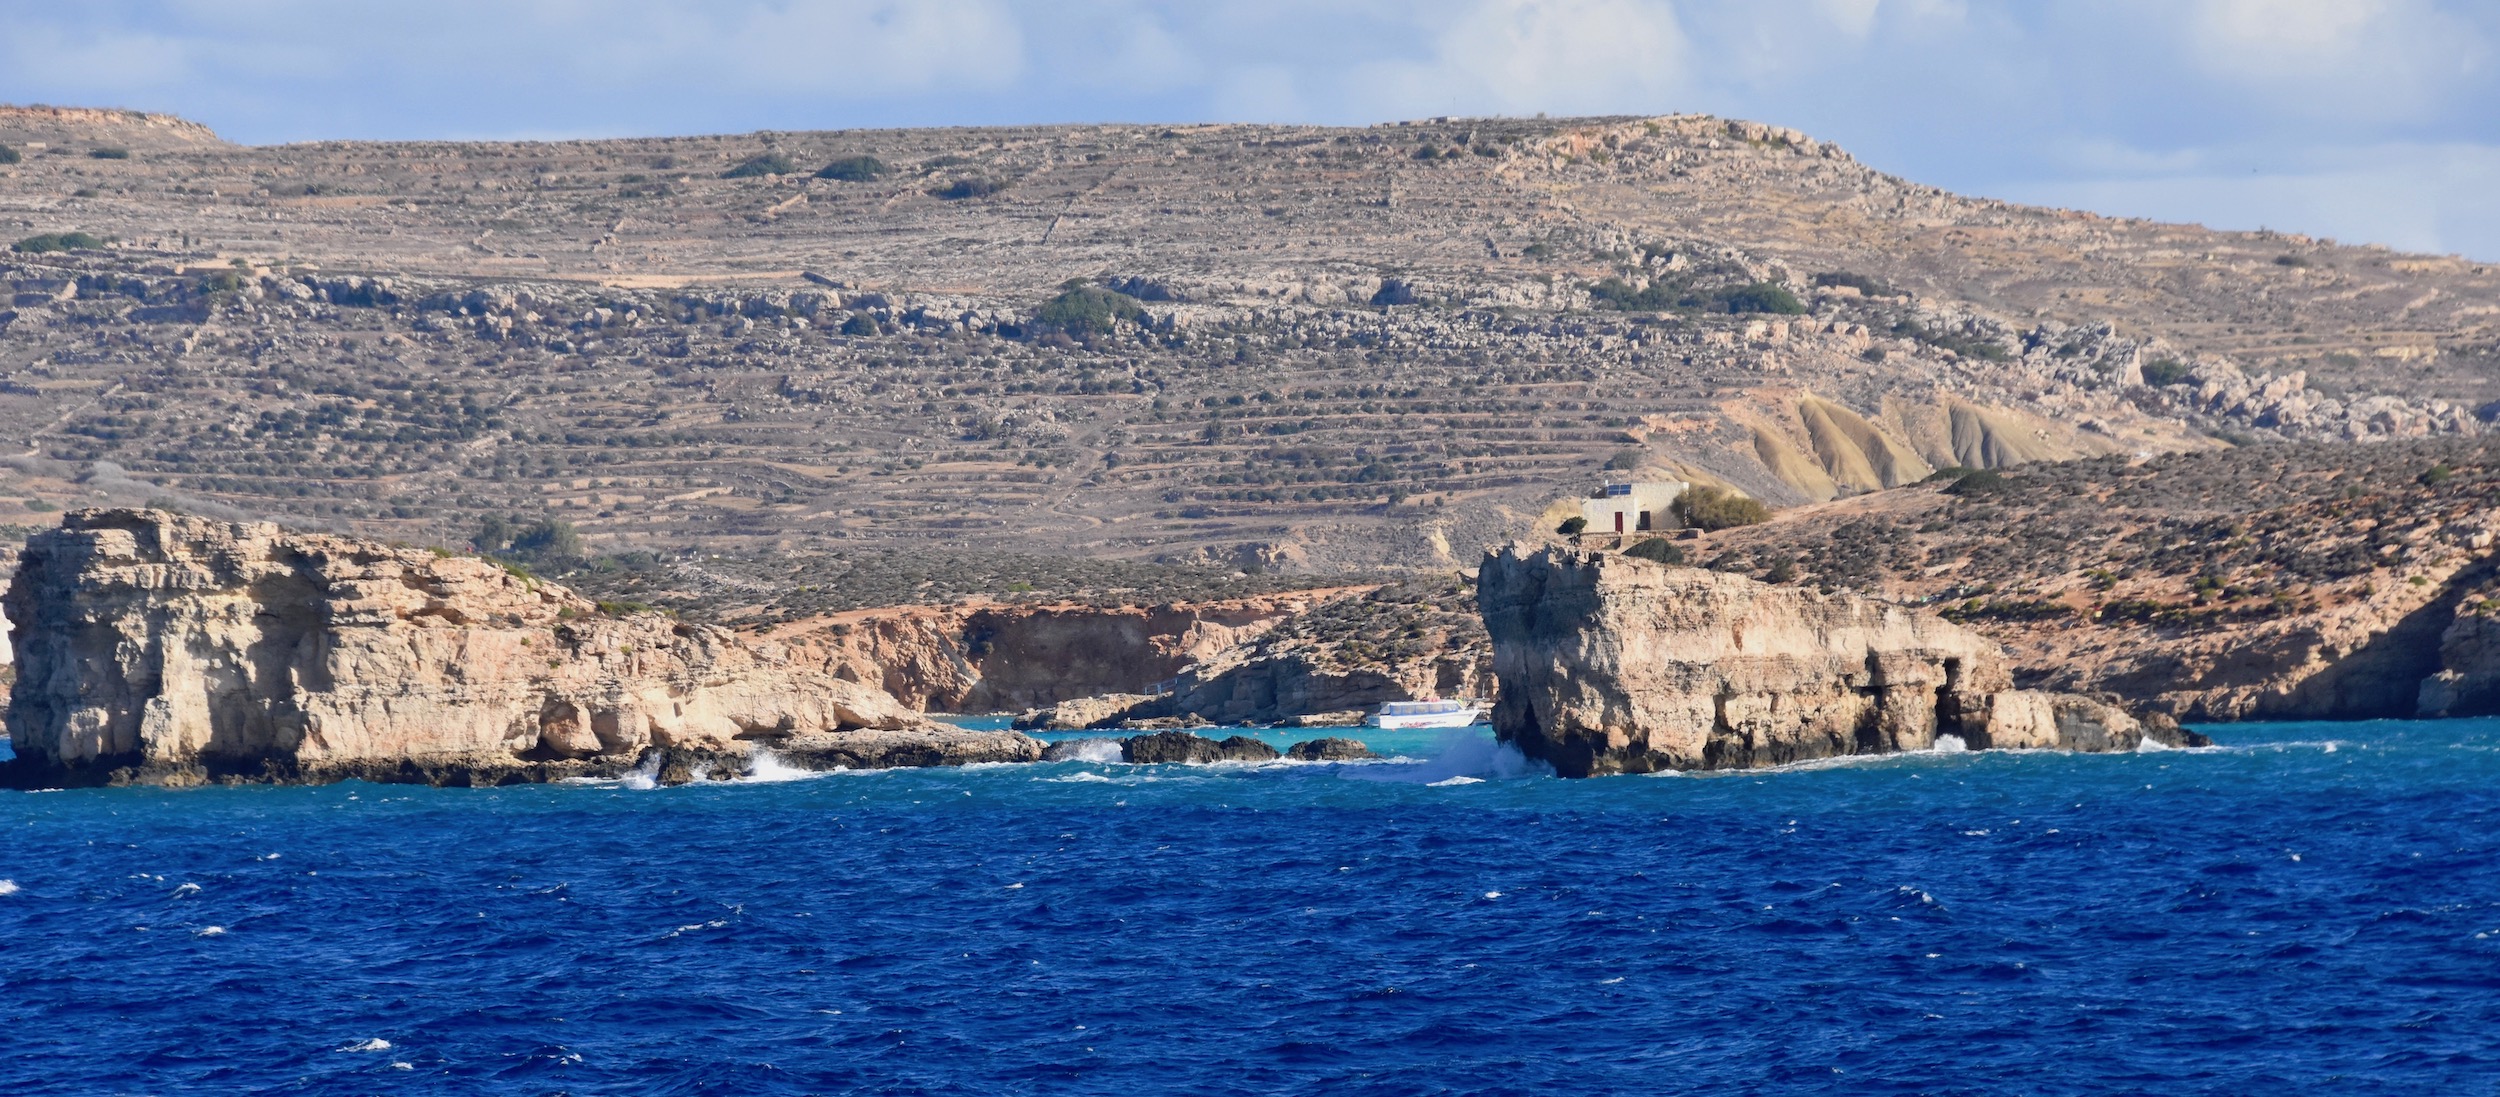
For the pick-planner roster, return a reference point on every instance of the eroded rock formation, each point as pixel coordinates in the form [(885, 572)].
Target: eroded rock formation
[(1611, 664), (174, 649)]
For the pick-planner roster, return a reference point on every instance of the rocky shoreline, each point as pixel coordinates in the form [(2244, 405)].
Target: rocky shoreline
[(161, 649)]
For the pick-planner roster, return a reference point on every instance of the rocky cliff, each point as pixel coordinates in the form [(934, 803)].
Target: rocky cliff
[(1611, 664), (1323, 666), (163, 648), (998, 658)]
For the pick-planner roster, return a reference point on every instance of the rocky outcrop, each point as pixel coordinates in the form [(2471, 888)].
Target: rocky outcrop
[(1168, 747), (1080, 713), (1011, 658), (172, 649), (1611, 664), (1330, 750)]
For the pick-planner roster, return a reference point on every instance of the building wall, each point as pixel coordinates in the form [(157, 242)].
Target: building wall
[(1622, 513)]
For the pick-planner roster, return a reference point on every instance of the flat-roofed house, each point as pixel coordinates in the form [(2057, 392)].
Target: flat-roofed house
[(1633, 507)]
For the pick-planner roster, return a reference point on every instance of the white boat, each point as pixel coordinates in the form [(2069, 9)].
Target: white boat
[(1424, 714)]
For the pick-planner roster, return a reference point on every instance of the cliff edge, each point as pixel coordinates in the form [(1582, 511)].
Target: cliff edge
[(1612, 664), (159, 648)]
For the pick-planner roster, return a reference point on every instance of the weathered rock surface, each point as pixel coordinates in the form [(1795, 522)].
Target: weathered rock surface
[(173, 649), (1009, 658), (1165, 747), (1079, 714), (1329, 750), (1611, 664)]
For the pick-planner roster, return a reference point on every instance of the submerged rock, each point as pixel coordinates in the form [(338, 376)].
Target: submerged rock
[(166, 649), (1329, 750), (1611, 664)]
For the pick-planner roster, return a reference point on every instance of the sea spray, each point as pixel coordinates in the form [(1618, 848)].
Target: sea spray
[(1461, 752), (644, 775)]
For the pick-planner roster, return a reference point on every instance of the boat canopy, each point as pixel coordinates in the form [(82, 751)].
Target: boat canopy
[(1419, 708)]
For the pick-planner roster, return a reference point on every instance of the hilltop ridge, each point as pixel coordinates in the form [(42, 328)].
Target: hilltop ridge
[(1290, 348)]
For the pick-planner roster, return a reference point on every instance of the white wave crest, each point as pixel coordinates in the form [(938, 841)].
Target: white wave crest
[(1097, 751), (2150, 745), (209, 931), (8, 887), (1950, 744), (1453, 782), (374, 1044), (766, 766)]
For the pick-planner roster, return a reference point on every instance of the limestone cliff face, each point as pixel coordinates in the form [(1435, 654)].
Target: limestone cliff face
[(1610, 664), (1001, 658), (175, 648)]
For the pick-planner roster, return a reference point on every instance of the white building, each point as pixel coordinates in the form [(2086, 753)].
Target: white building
[(1633, 508)]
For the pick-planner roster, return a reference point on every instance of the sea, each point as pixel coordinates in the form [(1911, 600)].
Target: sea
[(2301, 908)]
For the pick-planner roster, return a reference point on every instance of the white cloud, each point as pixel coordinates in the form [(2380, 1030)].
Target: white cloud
[(1523, 56), (2385, 60)]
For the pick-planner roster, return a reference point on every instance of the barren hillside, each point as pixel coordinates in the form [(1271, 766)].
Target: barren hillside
[(1296, 348)]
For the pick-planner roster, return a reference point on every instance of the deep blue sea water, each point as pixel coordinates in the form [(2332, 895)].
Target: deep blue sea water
[(2303, 909)]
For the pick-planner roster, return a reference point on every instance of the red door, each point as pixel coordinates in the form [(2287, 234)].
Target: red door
[(1618, 521)]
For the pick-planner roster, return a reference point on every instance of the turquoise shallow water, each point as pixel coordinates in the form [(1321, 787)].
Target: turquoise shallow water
[(2310, 908)]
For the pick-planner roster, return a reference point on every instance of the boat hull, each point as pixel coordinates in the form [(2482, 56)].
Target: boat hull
[(1462, 718)]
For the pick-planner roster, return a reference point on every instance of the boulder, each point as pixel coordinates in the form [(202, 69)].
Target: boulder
[(1329, 750)]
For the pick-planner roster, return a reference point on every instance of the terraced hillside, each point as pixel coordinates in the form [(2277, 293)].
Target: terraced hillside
[(1270, 348)]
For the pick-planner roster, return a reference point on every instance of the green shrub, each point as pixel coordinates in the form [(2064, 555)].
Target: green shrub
[(853, 169), (1783, 570), (860, 323), (626, 608), (1624, 461), (1656, 549), (1082, 309), (972, 187), (1768, 297), (9, 155), (1658, 296), (768, 163), (1704, 507), (57, 241), (109, 154), (1572, 527), (2437, 474), (2164, 372), (224, 281), (1947, 474)]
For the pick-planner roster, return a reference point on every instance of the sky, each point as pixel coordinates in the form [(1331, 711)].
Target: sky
[(2370, 121)]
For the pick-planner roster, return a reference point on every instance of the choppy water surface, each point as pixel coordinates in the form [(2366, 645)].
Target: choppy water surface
[(2307, 908)]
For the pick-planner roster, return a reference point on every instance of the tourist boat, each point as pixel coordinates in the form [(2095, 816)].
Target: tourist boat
[(1424, 714)]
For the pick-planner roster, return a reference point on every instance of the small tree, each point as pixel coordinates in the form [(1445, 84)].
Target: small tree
[(109, 154), (1705, 507), (768, 163), (853, 169), (1087, 310), (1572, 527), (9, 155)]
